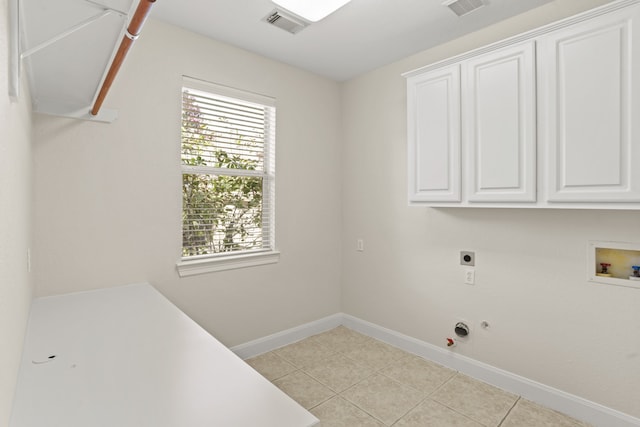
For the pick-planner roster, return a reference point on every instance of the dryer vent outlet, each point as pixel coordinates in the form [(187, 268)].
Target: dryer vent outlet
[(461, 329)]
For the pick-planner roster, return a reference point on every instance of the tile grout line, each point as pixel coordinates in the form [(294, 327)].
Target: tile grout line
[(411, 409), (348, 387), (286, 375), (379, 372), (336, 393), (449, 407), (404, 385), (363, 410), (321, 403), (374, 371), (343, 346), (509, 411), (442, 385)]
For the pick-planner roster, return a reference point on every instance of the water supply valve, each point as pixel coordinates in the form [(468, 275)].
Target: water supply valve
[(604, 269)]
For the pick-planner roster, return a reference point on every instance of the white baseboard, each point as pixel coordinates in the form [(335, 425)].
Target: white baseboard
[(574, 406), (289, 336)]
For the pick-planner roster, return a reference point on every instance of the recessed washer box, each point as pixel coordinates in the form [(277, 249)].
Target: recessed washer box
[(612, 263)]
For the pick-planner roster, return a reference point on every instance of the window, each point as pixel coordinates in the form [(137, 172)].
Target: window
[(228, 185)]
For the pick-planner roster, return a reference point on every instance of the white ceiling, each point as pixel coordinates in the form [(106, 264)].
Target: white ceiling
[(65, 75), (359, 37)]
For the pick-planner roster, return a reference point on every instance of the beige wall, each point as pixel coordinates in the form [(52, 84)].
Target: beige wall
[(547, 322), (108, 201), (15, 225), (107, 212)]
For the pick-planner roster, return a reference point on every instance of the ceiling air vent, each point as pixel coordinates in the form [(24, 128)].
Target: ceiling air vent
[(462, 7), (285, 21)]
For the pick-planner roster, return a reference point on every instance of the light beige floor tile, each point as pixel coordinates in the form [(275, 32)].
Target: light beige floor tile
[(529, 414), (271, 366), (340, 339), (304, 353), (338, 372), (375, 354), (482, 402), (388, 383), (337, 412), (433, 414), (382, 397), (418, 373), (304, 389)]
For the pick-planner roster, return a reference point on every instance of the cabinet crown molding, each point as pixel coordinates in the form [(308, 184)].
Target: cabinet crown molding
[(523, 37)]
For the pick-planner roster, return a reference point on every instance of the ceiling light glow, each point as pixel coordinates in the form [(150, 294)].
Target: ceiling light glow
[(311, 10)]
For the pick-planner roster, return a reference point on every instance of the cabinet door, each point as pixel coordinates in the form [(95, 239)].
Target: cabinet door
[(433, 109), (500, 125), (591, 104)]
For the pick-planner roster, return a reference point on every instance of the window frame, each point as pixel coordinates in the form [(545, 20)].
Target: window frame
[(200, 264)]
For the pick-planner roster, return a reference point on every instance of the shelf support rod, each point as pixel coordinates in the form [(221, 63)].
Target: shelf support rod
[(131, 34)]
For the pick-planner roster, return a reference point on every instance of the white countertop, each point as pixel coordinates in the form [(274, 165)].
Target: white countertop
[(127, 357)]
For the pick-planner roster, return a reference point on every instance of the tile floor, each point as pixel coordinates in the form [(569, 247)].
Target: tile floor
[(350, 380)]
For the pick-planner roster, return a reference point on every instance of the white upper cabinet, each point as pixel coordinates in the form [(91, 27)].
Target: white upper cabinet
[(500, 125), (434, 135), (545, 119), (590, 109)]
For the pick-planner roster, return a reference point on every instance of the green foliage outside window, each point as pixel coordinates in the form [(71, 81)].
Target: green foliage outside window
[(221, 212)]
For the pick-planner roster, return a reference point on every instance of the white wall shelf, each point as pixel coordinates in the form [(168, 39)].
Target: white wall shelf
[(128, 357)]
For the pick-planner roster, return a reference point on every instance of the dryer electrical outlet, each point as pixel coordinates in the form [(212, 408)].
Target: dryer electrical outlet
[(467, 258)]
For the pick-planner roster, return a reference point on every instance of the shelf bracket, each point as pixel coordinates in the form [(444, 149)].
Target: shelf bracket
[(66, 33), (15, 54)]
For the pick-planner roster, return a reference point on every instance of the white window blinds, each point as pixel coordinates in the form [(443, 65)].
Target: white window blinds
[(228, 171)]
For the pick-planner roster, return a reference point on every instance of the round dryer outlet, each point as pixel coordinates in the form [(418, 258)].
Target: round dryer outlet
[(461, 329)]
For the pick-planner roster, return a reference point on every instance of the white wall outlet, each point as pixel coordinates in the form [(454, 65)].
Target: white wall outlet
[(360, 245), (469, 276)]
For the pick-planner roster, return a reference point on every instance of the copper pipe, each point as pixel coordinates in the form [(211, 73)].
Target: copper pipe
[(135, 26)]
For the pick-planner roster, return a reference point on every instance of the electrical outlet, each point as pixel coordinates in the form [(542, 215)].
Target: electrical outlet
[(469, 276), (467, 258)]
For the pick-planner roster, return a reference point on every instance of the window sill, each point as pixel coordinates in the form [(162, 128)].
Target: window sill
[(193, 267)]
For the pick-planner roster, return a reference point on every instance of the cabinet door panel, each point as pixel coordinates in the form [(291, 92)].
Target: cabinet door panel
[(434, 136), (589, 111), (500, 122)]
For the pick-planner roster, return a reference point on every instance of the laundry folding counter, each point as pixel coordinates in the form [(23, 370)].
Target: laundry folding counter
[(127, 357)]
